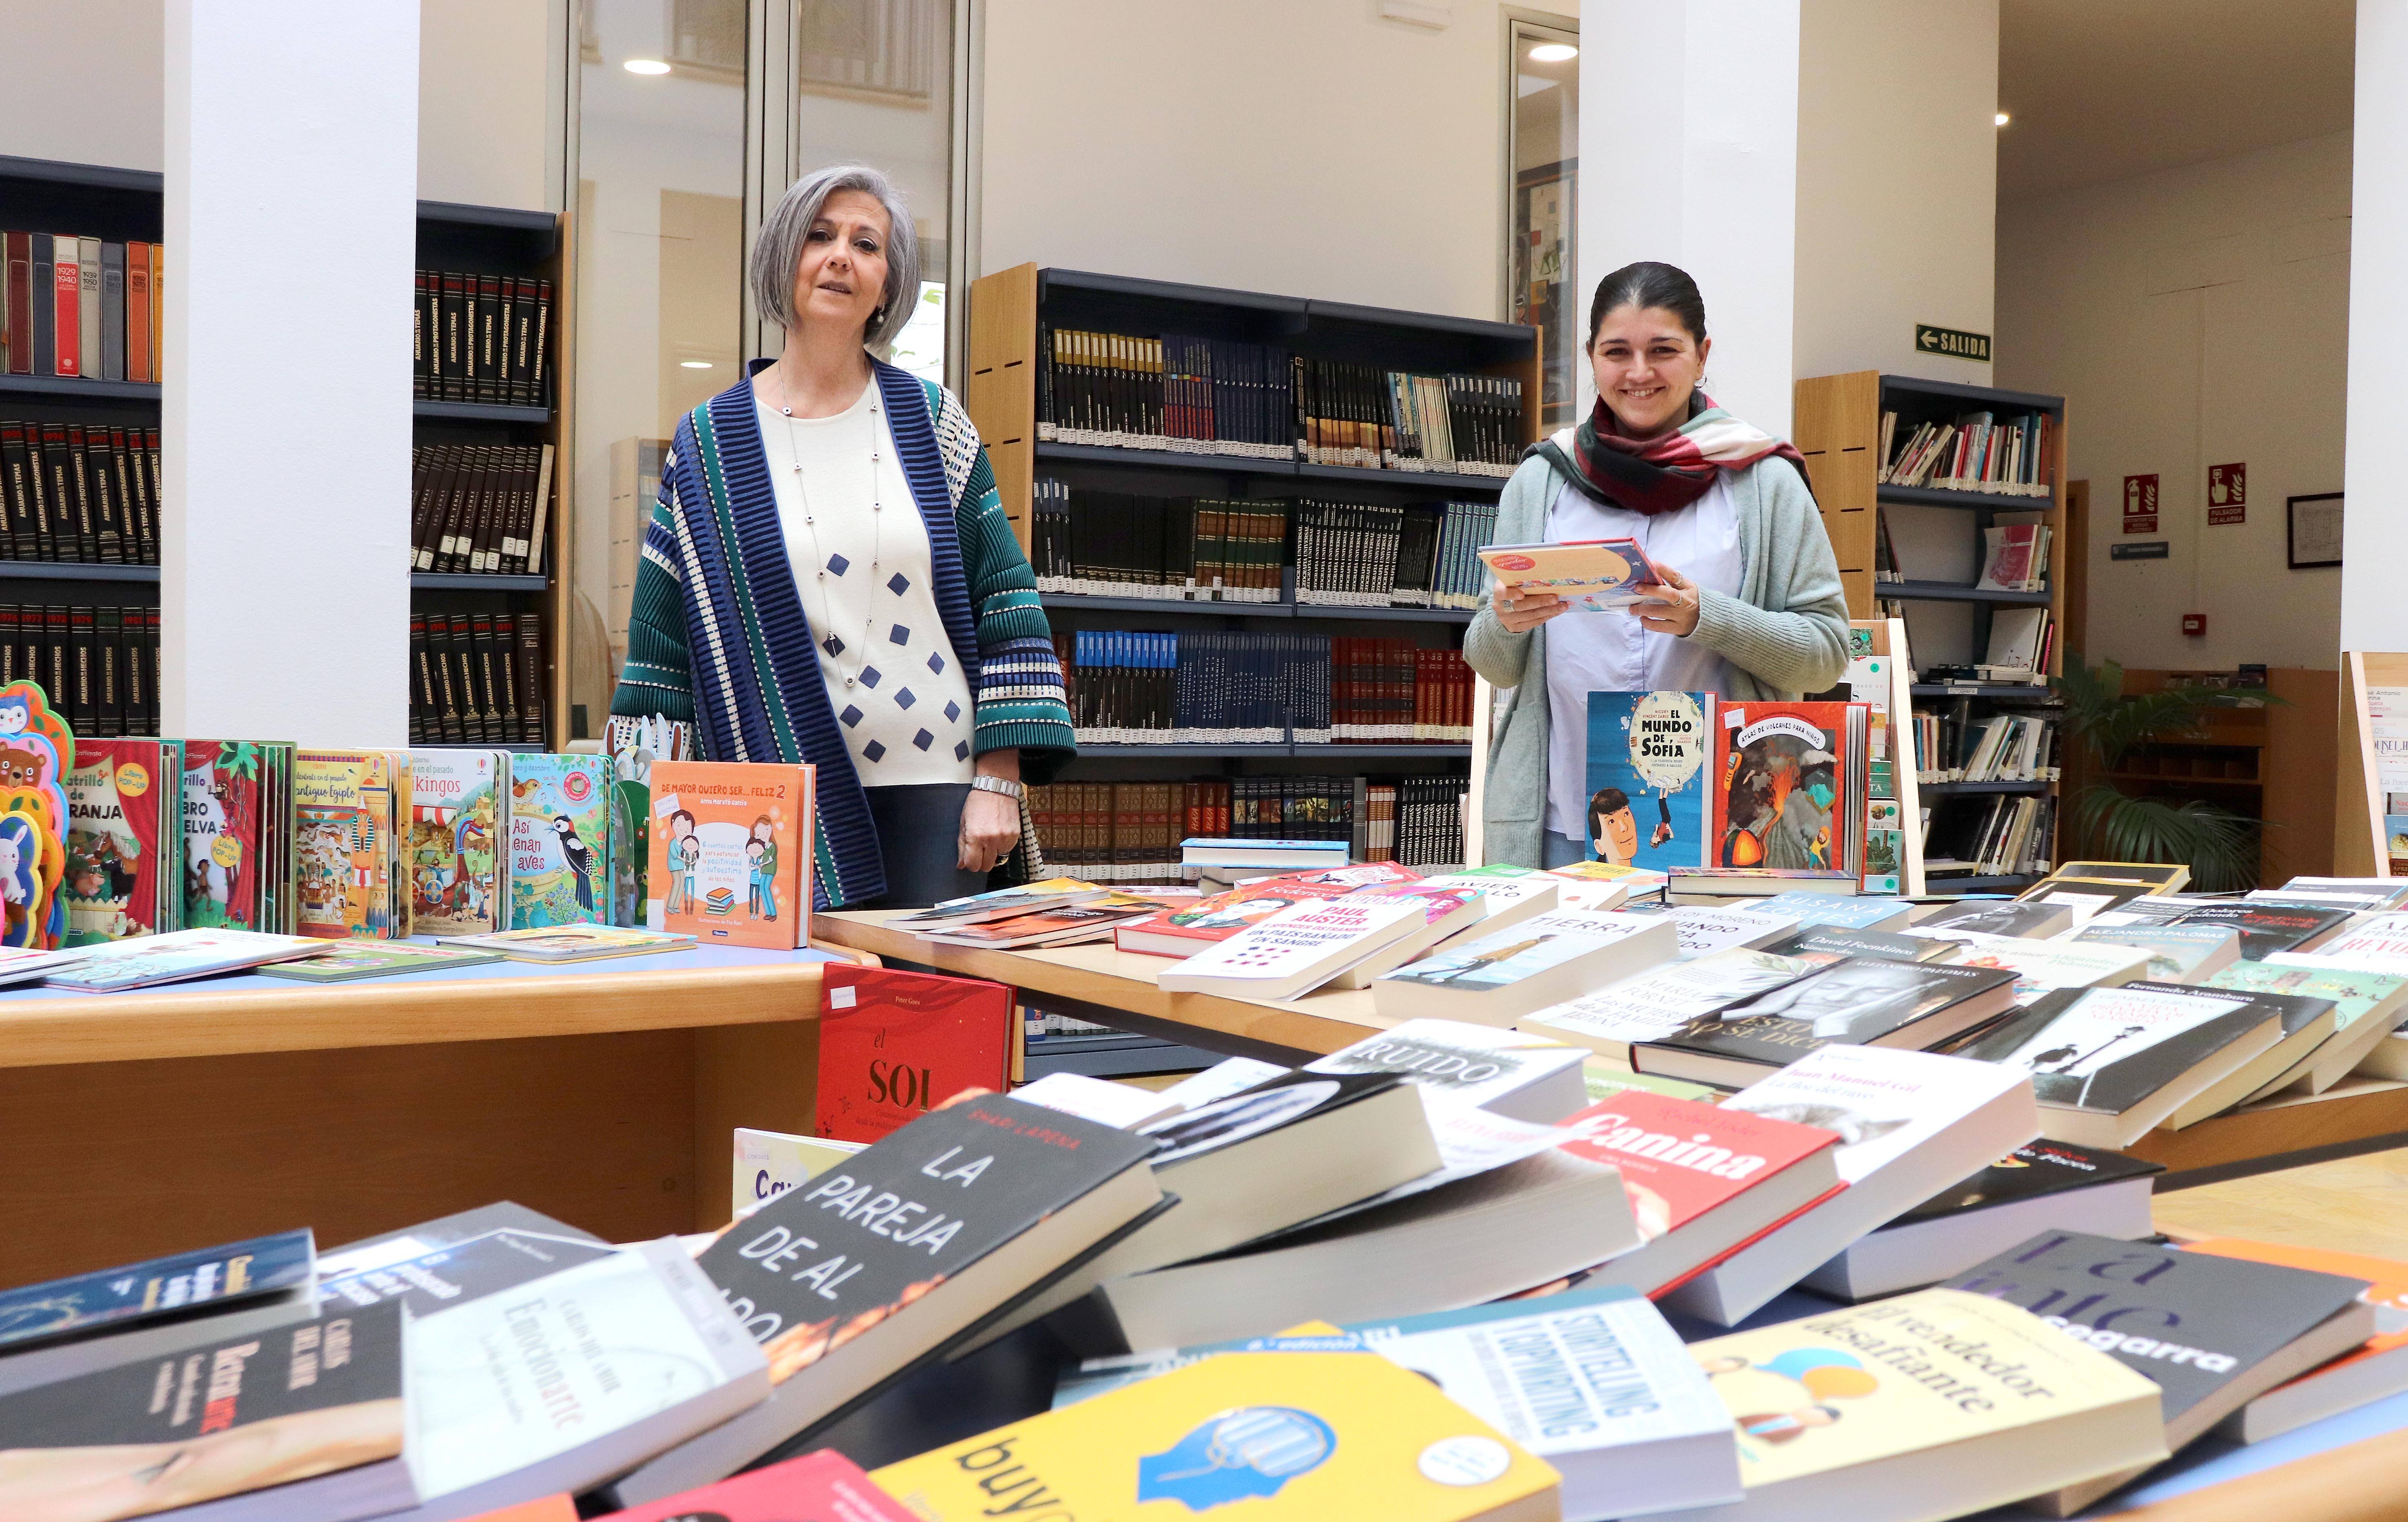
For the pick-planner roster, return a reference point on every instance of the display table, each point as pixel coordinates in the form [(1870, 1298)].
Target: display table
[(604, 1093), (1118, 988)]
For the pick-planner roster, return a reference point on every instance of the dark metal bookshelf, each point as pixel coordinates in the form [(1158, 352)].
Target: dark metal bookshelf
[(75, 570)]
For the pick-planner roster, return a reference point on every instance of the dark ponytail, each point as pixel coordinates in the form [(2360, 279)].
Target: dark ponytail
[(1645, 284)]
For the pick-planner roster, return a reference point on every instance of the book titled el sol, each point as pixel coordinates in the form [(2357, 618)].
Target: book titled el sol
[(894, 1045)]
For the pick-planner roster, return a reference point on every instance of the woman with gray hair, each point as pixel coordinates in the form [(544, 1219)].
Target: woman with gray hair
[(785, 613)]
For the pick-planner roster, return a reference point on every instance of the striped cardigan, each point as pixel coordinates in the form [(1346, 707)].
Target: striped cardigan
[(717, 636)]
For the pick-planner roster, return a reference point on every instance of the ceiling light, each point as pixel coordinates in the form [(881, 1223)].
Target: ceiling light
[(645, 65), (1554, 53), (2002, 120), (694, 363)]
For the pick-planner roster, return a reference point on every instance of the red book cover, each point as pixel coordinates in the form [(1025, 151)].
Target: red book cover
[(66, 281), (894, 1045), (824, 1483), (138, 312), (1185, 931), (1779, 768)]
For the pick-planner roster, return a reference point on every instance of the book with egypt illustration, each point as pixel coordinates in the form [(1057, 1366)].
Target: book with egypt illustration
[(348, 876)]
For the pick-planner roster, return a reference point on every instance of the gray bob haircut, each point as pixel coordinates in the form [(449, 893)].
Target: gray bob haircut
[(778, 249)]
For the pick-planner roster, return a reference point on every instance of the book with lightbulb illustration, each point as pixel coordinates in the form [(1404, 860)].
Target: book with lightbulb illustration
[(2109, 1064)]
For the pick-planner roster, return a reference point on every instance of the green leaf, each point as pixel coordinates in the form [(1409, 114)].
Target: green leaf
[(2219, 846)]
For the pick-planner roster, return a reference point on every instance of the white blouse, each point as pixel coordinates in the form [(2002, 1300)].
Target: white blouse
[(861, 561), (1590, 653)]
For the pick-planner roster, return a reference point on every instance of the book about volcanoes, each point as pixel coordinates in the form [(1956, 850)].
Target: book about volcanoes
[(1787, 786)]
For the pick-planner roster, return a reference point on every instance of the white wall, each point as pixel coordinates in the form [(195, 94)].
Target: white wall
[(84, 82), (489, 103), (1305, 149), (1689, 154), (1896, 182), (2373, 616), (2190, 318)]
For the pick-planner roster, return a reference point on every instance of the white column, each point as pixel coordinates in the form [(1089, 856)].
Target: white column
[(2373, 616), (1688, 151), (291, 171)]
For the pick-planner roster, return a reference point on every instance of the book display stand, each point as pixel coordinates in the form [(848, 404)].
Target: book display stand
[(1839, 429), (2374, 754)]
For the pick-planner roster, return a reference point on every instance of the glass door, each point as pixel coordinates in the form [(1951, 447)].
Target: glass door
[(1543, 153)]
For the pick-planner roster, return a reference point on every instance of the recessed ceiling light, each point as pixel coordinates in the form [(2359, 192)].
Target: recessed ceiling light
[(694, 363), (2002, 120), (645, 65), (1554, 53)]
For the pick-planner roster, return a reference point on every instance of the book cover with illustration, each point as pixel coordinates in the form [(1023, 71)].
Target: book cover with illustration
[(2109, 1051), (1595, 576), (732, 846), (895, 1044), (353, 959), (175, 955), (347, 878), (1786, 783), (124, 859), (1664, 1000), (560, 841), (133, 1293), (458, 868), (1647, 754), (1858, 1001), (1185, 930), (225, 814), (1272, 1436)]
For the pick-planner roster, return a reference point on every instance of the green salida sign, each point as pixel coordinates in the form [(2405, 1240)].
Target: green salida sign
[(1953, 342)]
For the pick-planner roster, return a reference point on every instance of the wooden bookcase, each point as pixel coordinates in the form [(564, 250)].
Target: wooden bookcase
[(1837, 422), (118, 205), (2240, 757), (1008, 312)]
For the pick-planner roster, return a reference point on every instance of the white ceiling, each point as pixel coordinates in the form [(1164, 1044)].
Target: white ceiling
[(2103, 90)]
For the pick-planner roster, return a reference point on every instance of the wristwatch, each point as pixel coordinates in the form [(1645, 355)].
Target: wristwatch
[(1004, 786)]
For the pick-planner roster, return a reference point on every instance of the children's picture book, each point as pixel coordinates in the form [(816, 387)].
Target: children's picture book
[(125, 854), (1787, 783), (348, 868), (560, 841), (1647, 754), (35, 750), (1596, 576), (731, 842), (176, 956), (223, 862), (458, 869), (359, 958), (571, 942), (1187, 929)]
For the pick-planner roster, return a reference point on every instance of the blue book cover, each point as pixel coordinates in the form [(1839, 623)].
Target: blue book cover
[(1647, 753), (1872, 912), (115, 1299)]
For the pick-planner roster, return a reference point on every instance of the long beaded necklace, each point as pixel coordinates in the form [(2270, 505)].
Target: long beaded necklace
[(831, 646)]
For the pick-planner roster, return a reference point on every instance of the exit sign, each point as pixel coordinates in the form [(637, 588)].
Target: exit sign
[(1953, 342)]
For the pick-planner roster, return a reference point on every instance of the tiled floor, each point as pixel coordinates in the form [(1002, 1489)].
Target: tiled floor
[(2356, 1205)]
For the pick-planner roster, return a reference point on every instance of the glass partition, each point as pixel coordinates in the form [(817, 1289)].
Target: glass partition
[(1544, 154)]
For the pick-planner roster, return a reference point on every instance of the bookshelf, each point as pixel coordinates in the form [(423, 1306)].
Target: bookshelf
[(1010, 313), (1838, 423), (504, 241)]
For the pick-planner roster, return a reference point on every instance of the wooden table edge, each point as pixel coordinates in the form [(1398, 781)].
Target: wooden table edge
[(139, 1025)]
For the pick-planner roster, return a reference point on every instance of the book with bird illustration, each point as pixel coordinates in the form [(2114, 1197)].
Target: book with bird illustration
[(560, 841)]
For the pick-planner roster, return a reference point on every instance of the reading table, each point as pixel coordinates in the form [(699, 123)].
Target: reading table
[(140, 1123)]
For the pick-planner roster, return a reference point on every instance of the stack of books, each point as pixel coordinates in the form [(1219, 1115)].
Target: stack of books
[(80, 307)]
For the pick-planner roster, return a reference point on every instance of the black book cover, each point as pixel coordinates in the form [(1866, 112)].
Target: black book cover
[(1831, 943), (489, 338), (505, 662), (539, 377), (1858, 1001), (11, 664), (864, 1239), (522, 308), (79, 686), (2036, 1169), (132, 668), (2193, 1322), (2109, 1049), (132, 502), (463, 680), (489, 683), (33, 543), (79, 473), (59, 484), (108, 691), (151, 469), (451, 348), (443, 723), (221, 1417), (531, 683), (421, 681), (2267, 928), (107, 513), (418, 335), (16, 494), (1997, 917), (45, 323)]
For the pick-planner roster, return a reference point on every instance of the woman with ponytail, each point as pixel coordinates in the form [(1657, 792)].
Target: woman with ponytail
[(1750, 605)]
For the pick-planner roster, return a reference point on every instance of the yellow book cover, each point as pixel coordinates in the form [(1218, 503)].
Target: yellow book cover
[(344, 853), (1308, 1436), (1926, 1376)]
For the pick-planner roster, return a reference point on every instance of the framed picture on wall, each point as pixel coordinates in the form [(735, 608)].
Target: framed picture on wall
[(2314, 530)]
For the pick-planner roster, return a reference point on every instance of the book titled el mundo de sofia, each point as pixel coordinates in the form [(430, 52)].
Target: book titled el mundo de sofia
[(1647, 775)]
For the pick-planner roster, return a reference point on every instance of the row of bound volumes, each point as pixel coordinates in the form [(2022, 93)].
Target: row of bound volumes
[(1364, 416), (1209, 396), (1173, 549), (1134, 687), (1978, 452), (1117, 832), (2011, 836), (1184, 395), (1387, 690), (479, 508), (476, 679), (482, 339), (79, 493), (100, 665), (1356, 554), (1416, 821), (1955, 746), (76, 308)]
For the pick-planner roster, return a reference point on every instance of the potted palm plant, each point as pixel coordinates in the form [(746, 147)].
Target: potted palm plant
[(2219, 845)]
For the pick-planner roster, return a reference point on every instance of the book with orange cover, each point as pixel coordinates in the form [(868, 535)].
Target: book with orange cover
[(2376, 1370), (730, 858)]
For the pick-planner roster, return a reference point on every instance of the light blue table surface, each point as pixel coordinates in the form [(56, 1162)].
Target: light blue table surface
[(700, 960)]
